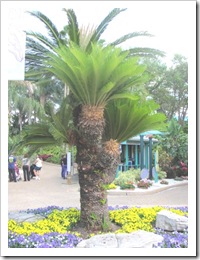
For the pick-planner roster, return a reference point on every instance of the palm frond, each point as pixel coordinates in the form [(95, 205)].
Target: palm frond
[(95, 77), (42, 39), (129, 36), (128, 118), (36, 134), (54, 130), (103, 25), (51, 28), (146, 52), (72, 27)]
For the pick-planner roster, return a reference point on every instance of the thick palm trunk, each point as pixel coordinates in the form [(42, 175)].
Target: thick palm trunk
[(94, 207), (97, 167)]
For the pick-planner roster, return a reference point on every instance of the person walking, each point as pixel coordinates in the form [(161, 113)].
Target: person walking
[(38, 167), (26, 167), (64, 166), (11, 168)]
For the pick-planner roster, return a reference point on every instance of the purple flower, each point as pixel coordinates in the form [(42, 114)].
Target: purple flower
[(173, 239), (50, 240)]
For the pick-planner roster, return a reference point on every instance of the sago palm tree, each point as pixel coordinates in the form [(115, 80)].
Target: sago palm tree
[(99, 82), (97, 76)]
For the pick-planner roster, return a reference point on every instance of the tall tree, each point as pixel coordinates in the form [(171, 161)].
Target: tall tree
[(22, 103), (49, 90), (177, 81)]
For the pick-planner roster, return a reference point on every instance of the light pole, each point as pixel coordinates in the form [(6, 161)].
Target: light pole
[(150, 157), (141, 152)]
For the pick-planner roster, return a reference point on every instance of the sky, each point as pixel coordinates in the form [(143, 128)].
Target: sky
[(171, 22)]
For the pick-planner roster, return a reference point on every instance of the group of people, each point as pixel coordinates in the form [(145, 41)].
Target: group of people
[(29, 171), (32, 171)]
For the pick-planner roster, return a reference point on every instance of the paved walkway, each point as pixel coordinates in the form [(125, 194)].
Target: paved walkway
[(52, 190)]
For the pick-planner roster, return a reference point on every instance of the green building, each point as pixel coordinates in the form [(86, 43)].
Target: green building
[(136, 152)]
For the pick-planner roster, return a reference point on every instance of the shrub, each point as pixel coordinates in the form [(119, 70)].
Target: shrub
[(127, 185), (110, 186), (180, 169), (55, 151), (131, 175), (178, 179), (144, 184), (162, 175)]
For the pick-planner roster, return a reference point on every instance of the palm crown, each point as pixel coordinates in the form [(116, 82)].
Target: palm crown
[(38, 45), (97, 77)]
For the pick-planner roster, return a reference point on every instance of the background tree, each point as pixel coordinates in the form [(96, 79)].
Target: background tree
[(169, 86), (178, 83), (173, 150), (20, 104)]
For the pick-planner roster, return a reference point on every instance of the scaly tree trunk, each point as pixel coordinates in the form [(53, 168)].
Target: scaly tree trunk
[(97, 164)]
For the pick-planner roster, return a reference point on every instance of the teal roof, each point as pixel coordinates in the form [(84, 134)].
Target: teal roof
[(152, 132), (136, 140)]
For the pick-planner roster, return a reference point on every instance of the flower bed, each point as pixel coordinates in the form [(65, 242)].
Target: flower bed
[(54, 230), (144, 183)]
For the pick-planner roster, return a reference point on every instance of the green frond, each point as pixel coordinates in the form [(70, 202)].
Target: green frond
[(95, 77), (43, 39), (36, 135), (72, 27), (65, 113), (52, 131), (52, 30), (58, 133), (146, 52), (103, 25), (33, 46), (129, 36), (127, 118)]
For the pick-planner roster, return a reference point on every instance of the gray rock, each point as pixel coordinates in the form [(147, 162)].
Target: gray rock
[(24, 217), (137, 239), (107, 240), (170, 221)]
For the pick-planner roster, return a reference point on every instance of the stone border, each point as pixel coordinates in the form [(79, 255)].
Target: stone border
[(146, 191)]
